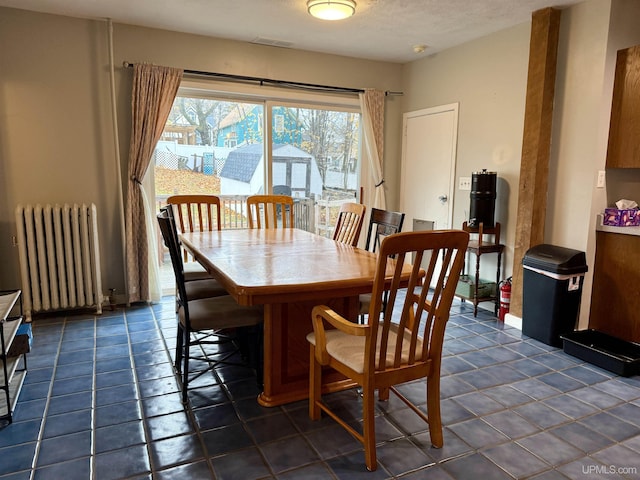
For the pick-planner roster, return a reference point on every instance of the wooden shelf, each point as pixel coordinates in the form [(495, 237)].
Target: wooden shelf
[(479, 246)]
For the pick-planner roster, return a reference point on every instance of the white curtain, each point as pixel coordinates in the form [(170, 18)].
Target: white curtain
[(372, 106), (153, 92)]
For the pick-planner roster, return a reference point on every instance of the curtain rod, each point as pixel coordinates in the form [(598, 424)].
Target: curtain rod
[(278, 83)]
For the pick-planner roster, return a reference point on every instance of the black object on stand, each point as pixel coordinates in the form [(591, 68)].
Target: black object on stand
[(483, 199)]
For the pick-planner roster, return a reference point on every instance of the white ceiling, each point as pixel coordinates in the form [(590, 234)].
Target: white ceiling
[(383, 30)]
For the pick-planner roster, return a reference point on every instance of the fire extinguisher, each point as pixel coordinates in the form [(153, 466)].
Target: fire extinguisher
[(505, 298)]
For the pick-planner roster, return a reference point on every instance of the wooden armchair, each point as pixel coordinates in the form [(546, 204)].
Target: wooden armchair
[(400, 343)]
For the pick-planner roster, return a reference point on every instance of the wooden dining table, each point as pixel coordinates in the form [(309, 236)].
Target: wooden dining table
[(289, 271)]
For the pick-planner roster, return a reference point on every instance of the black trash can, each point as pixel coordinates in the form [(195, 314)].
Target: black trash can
[(551, 291)]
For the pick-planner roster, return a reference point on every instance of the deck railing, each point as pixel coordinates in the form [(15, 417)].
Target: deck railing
[(234, 211), (313, 215)]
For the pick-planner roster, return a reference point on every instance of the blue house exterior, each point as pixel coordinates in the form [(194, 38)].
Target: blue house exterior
[(242, 129)]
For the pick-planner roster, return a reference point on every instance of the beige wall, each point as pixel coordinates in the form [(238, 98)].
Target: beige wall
[(488, 78)]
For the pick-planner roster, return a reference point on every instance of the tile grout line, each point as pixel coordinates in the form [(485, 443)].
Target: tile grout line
[(43, 422)]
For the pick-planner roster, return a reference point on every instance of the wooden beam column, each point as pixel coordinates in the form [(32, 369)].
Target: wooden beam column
[(536, 142)]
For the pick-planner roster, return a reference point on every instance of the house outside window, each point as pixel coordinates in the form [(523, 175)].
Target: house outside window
[(301, 144)]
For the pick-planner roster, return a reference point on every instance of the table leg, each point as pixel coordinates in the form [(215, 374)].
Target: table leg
[(286, 350)]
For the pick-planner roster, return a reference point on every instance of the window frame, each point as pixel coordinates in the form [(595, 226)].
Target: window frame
[(269, 97)]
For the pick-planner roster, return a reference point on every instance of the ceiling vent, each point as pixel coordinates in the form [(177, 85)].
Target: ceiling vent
[(271, 42)]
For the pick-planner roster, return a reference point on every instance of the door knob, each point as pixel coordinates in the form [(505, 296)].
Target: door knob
[(443, 199)]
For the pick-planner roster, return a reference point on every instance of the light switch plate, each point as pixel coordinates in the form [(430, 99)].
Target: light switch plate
[(464, 183), (601, 179)]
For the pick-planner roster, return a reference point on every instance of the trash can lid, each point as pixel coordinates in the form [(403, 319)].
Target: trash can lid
[(554, 259)]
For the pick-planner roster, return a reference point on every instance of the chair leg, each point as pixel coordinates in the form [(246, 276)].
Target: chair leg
[(433, 411), (368, 427), (383, 394), (185, 367), (179, 347), (315, 385)]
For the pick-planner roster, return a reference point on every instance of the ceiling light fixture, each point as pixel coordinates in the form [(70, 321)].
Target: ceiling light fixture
[(331, 9)]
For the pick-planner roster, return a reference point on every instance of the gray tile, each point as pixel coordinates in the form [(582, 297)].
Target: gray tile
[(507, 395), (515, 460), (611, 426), (587, 467), (453, 446), (595, 397), (474, 466), (633, 443), (289, 453), (550, 448), (478, 403), (351, 467), (401, 456), (432, 472), (582, 437), (535, 388), (270, 428), (316, 471), (627, 412), (570, 406), (478, 434), (619, 389), (541, 415), (622, 459), (561, 381), (226, 439), (175, 451), (246, 464), (123, 463), (585, 374), (333, 441), (121, 435), (511, 424)]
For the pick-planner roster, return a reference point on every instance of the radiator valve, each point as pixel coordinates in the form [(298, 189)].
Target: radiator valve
[(112, 298)]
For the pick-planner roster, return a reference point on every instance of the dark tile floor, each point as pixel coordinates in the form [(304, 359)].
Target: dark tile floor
[(101, 402)]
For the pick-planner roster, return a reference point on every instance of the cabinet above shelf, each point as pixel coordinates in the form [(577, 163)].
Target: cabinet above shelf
[(624, 131)]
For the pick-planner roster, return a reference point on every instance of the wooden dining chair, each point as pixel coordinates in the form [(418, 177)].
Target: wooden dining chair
[(349, 223), (382, 223), (270, 211), (209, 321), (398, 344), (196, 213), (197, 285)]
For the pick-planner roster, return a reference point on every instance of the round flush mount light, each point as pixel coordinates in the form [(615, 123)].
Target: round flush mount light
[(419, 48), (331, 9)]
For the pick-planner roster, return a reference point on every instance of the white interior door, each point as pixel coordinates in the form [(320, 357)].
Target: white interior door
[(428, 165)]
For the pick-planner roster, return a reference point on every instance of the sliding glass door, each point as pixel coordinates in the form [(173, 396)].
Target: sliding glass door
[(234, 146)]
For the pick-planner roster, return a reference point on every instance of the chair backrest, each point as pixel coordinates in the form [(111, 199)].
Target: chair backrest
[(481, 230), (349, 223), (270, 211), (196, 213), (425, 311), (170, 237), (382, 223)]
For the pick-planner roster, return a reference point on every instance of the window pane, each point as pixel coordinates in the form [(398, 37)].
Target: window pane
[(216, 146), (316, 160), (198, 139)]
